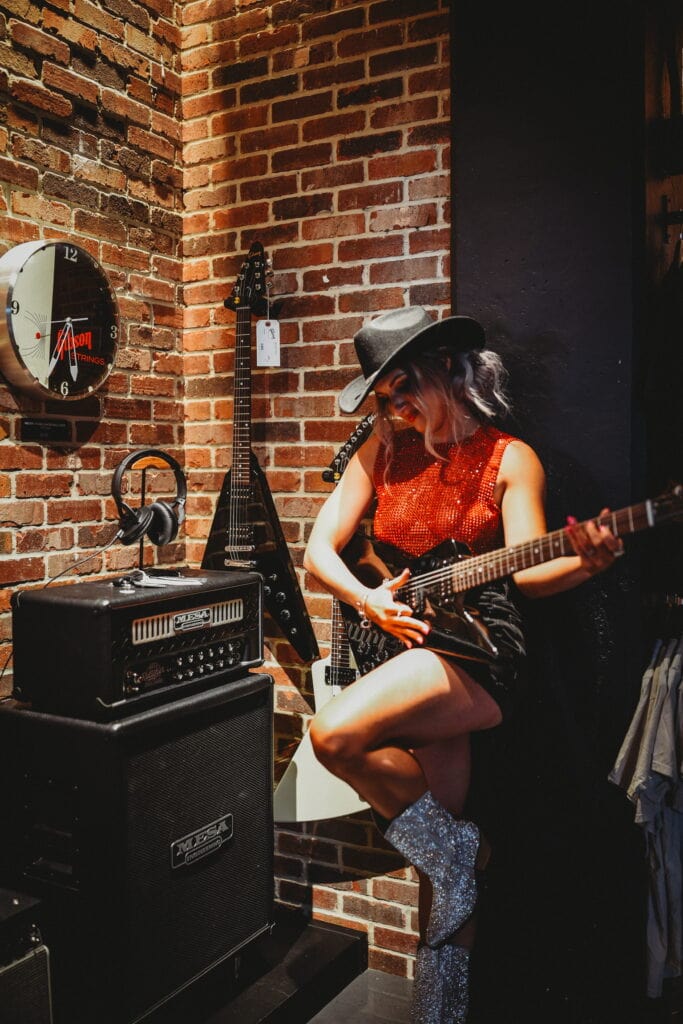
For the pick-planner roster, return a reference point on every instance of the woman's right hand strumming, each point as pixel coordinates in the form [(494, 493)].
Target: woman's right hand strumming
[(381, 607)]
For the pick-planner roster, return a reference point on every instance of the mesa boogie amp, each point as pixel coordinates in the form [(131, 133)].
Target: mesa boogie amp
[(109, 647)]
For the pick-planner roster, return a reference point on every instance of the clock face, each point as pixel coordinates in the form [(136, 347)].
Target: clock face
[(61, 328)]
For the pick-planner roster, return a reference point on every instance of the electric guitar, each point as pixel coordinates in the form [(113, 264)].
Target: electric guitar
[(307, 791), (331, 674), (444, 583), (246, 532)]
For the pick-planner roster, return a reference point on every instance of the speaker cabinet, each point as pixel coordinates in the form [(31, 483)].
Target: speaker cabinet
[(25, 989), (25, 996), (148, 840)]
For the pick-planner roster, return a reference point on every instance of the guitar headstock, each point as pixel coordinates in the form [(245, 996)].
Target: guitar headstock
[(668, 505), (343, 456), (250, 290)]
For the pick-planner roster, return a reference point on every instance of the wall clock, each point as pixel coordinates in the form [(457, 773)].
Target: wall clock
[(60, 328)]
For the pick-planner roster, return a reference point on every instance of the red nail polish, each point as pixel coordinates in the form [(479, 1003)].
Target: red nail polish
[(571, 520)]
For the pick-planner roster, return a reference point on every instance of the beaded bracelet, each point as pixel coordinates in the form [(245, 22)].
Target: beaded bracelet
[(360, 605)]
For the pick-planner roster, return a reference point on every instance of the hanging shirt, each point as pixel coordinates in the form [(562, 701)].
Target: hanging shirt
[(648, 767)]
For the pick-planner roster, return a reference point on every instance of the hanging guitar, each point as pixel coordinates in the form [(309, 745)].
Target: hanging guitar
[(246, 530), (331, 674), (308, 791), (444, 582)]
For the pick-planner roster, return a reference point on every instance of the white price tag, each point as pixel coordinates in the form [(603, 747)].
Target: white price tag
[(267, 343)]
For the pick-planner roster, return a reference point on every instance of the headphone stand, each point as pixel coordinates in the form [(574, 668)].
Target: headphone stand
[(143, 482)]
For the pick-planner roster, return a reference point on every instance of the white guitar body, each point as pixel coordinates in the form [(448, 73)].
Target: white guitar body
[(307, 791)]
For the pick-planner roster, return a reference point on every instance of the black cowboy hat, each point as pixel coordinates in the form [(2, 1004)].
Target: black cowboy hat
[(379, 344)]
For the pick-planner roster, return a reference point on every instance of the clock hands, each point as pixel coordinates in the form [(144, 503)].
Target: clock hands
[(65, 339)]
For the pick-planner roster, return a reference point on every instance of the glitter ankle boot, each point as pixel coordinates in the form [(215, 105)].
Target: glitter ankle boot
[(440, 989), (444, 848)]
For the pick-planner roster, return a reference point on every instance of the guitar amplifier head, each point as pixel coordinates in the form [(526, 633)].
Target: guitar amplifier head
[(104, 648)]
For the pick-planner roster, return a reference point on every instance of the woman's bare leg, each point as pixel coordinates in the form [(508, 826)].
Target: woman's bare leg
[(370, 735)]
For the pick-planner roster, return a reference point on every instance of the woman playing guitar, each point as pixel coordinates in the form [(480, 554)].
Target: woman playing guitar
[(437, 468)]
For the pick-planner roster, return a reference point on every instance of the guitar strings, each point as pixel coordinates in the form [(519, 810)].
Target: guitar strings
[(477, 569), (237, 510)]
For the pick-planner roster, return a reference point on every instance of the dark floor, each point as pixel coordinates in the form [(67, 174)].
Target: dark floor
[(285, 977), (372, 998)]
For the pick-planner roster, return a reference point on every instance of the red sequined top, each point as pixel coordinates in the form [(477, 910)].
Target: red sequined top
[(427, 501)]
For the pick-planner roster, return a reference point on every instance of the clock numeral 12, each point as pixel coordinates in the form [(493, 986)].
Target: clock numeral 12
[(71, 253)]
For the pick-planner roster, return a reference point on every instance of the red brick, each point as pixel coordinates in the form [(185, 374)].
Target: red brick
[(402, 165), (402, 217), (333, 73), (334, 227), (33, 39), (339, 23), (425, 109), (371, 300), (403, 270), (429, 134), (21, 570), (66, 81), (121, 106), (89, 14), (389, 963), (151, 143), (45, 540), (262, 42), (407, 57), (44, 99), (269, 139), (329, 177), (400, 941), (301, 106), (71, 30), (32, 485), (366, 42), (302, 156), (430, 241), (328, 127)]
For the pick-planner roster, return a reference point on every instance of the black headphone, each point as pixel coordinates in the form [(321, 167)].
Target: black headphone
[(159, 521)]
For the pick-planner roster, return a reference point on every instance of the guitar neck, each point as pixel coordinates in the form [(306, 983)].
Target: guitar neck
[(478, 569), (241, 431), (340, 651), (340, 671)]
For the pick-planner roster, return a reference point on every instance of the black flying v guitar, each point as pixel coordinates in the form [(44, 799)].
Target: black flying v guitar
[(443, 584), (246, 531)]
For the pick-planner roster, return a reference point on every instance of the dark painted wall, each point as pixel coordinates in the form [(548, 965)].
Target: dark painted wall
[(548, 252)]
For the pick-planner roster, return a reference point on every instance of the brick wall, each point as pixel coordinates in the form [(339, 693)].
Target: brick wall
[(322, 130), (166, 137), (90, 151)]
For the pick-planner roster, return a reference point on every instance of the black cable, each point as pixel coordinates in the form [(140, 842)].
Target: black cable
[(70, 568)]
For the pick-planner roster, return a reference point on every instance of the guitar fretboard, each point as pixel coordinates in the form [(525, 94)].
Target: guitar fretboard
[(241, 431), (473, 571)]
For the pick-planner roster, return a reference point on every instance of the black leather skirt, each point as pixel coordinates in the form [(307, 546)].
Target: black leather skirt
[(503, 678)]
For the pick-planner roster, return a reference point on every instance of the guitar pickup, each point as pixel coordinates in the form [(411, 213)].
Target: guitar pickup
[(239, 563), (339, 676)]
